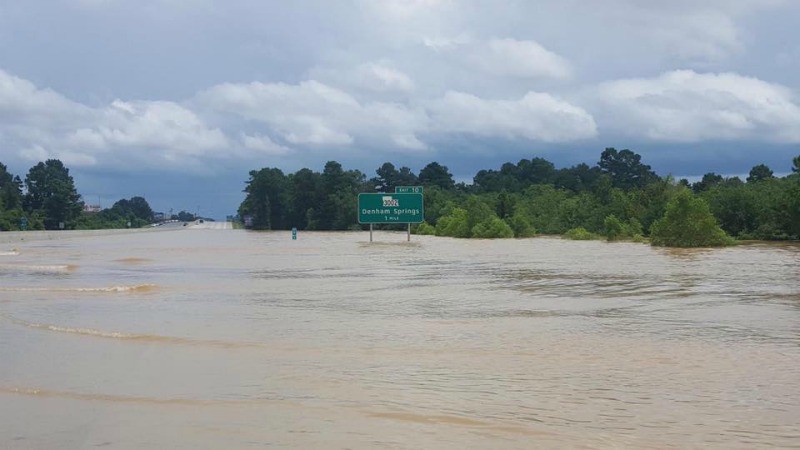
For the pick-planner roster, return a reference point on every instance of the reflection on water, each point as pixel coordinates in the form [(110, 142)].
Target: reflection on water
[(233, 339)]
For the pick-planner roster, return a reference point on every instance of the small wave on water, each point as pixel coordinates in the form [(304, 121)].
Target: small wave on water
[(48, 393), (133, 261), (35, 268), (13, 252), (138, 288), (118, 335), (455, 420)]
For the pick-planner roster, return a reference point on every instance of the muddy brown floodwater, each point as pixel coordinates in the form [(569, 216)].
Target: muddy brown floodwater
[(201, 338)]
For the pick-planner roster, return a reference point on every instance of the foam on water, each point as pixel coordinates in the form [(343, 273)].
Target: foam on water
[(106, 289), (38, 268)]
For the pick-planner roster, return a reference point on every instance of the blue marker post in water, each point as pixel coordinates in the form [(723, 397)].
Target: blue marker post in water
[(23, 223), (294, 233)]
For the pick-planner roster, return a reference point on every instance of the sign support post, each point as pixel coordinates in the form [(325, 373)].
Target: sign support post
[(396, 208)]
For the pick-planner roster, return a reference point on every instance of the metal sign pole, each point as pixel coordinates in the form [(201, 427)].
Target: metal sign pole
[(370, 232), (409, 233)]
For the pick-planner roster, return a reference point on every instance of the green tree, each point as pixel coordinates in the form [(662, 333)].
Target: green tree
[(454, 224), (338, 194), (136, 207), (185, 216), (734, 207), (494, 181), (760, 173), (304, 196), (536, 171), (626, 169), (406, 177), (424, 229), (796, 164), (506, 205), (51, 191), (613, 228), (709, 180), (492, 228), (10, 190), (578, 178), (477, 211), (435, 174), (389, 177), (267, 197), (10, 200), (688, 222), (652, 200), (543, 206), (793, 210), (520, 225), (438, 202)]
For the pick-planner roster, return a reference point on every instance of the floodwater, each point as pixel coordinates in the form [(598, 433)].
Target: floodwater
[(206, 339)]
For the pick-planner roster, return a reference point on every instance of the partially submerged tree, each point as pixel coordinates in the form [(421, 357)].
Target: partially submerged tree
[(688, 222)]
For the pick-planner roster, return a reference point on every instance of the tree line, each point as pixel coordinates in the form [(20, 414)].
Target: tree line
[(619, 197), (48, 200)]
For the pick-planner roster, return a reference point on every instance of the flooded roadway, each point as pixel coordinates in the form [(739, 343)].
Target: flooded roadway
[(212, 338)]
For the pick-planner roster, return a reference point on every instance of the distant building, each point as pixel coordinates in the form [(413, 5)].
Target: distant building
[(159, 217), (248, 221), (87, 208)]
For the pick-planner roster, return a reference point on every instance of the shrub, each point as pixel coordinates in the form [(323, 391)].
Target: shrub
[(613, 228), (424, 229), (635, 227), (688, 222), (492, 228), (520, 226), (579, 234), (454, 224)]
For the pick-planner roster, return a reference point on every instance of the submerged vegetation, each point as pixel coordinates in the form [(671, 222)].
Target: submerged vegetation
[(619, 198), (688, 223)]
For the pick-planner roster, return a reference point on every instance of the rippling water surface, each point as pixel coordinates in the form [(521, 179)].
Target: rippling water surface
[(203, 338)]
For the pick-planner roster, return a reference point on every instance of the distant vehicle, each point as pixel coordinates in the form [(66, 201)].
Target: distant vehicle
[(184, 223), (200, 221)]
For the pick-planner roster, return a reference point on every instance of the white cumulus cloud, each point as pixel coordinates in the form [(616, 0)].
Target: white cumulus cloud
[(686, 106), (313, 113), (45, 124), (263, 144), (503, 57), (519, 58), (535, 116), (316, 114), (380, 77)]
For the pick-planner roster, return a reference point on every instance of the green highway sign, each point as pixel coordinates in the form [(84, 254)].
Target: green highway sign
[(408, 189), (390, 208)]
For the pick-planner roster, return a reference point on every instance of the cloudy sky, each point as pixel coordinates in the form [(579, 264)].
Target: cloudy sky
[(177, 100)]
